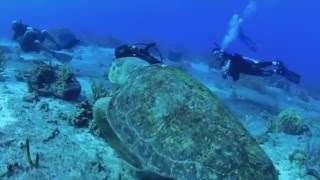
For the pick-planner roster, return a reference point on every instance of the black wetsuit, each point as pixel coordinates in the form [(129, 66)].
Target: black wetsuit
[(238, 65), (26, 41)]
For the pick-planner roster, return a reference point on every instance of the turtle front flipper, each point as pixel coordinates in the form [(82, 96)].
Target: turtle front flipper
[(99, 114)]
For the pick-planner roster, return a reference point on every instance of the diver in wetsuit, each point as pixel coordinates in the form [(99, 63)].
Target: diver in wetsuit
[(136, 51), (235, 64), (31, 40)]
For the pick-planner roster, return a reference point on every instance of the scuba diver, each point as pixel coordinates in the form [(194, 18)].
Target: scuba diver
[(234, 64), (31, 40), (140, 52)]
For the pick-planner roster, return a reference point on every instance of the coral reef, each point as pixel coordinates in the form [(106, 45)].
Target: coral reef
[(82, 116), (299, 157), (46, 81), (63, 73), (291, 122), (98, 90)]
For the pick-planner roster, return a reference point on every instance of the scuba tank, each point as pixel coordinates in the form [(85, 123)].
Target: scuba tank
[(136, 51)]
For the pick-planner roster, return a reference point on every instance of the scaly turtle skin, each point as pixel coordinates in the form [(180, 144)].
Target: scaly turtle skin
[(178, 128)]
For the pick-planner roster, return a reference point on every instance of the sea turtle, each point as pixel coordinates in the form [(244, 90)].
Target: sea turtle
[(162, 120)]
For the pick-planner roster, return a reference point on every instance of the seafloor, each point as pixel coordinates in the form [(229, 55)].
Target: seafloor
[(70, 151)]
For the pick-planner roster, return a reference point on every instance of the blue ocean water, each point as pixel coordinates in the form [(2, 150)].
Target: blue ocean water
[(288, 30)]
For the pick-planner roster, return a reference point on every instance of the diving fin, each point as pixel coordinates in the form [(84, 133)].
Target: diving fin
[(290, 75)]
